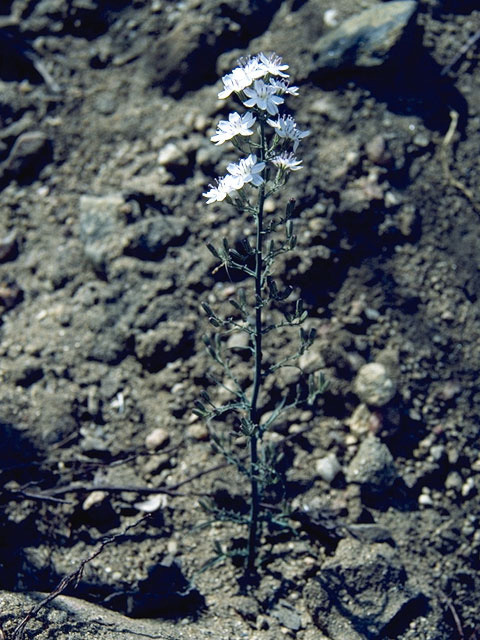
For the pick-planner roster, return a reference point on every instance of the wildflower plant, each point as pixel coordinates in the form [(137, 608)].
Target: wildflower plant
[(268, 139)]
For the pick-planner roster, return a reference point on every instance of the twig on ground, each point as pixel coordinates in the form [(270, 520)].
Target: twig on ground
[(447, 141), (170, 491), (28, 495), (455, 616), (75, 577), (159, 636), (459, 55)]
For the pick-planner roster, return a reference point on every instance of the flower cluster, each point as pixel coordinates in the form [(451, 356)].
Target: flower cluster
[(260, 83), (247, 170)]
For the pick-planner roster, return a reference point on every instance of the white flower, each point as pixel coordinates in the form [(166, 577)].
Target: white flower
[(286, 127), (224, 187), (253, 68), (287, 162), (281, 87), (247, 170), (236, 125), (235, 82), (263, 96), (273, 65)]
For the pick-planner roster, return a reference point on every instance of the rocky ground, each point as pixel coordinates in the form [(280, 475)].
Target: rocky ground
[(106, 109)]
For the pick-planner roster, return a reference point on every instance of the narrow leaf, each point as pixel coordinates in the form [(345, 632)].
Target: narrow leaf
[(205, 397), (237, 306), (200, 406), (213, 251), (272, 286), (289, 229), (246, 247), (290, 208), (208, 309), (322, 383), (234, 255), (213, 355), (242, 297), (285, 293)]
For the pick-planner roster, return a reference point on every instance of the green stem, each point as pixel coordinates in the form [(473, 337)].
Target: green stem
[(257, 380)]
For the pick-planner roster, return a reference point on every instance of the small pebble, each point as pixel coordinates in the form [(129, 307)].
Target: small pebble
[(156, 463), (377, 151), (330, 18), (468, 530), (453, 481), (152, 503), (421, 140), (351, 439), (311, 361), (172, 547), (238, 341), (468, 487), (372, 314), (328, 467), (437, 452), (425, 500), (93, 499), (29, 148), (8, 245), (427, 442), (171, 155), (359, 421), (157, 438), (476, 465), (197, 431)]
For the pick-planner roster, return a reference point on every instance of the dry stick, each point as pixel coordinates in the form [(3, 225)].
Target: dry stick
[(447, 141), (161, 636), (468, 45), (453, 611), (171, 491), (28, 495), (75, 576)]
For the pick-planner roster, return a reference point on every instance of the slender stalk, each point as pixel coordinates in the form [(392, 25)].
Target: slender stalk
[(257, 380)]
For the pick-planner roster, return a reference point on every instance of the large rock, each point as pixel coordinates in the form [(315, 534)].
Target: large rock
[(374, 385), (366, 39), (149, 239), (372, 467), (360, 592), (101, 228), (76, 619), (30, 152), (169, 341)]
